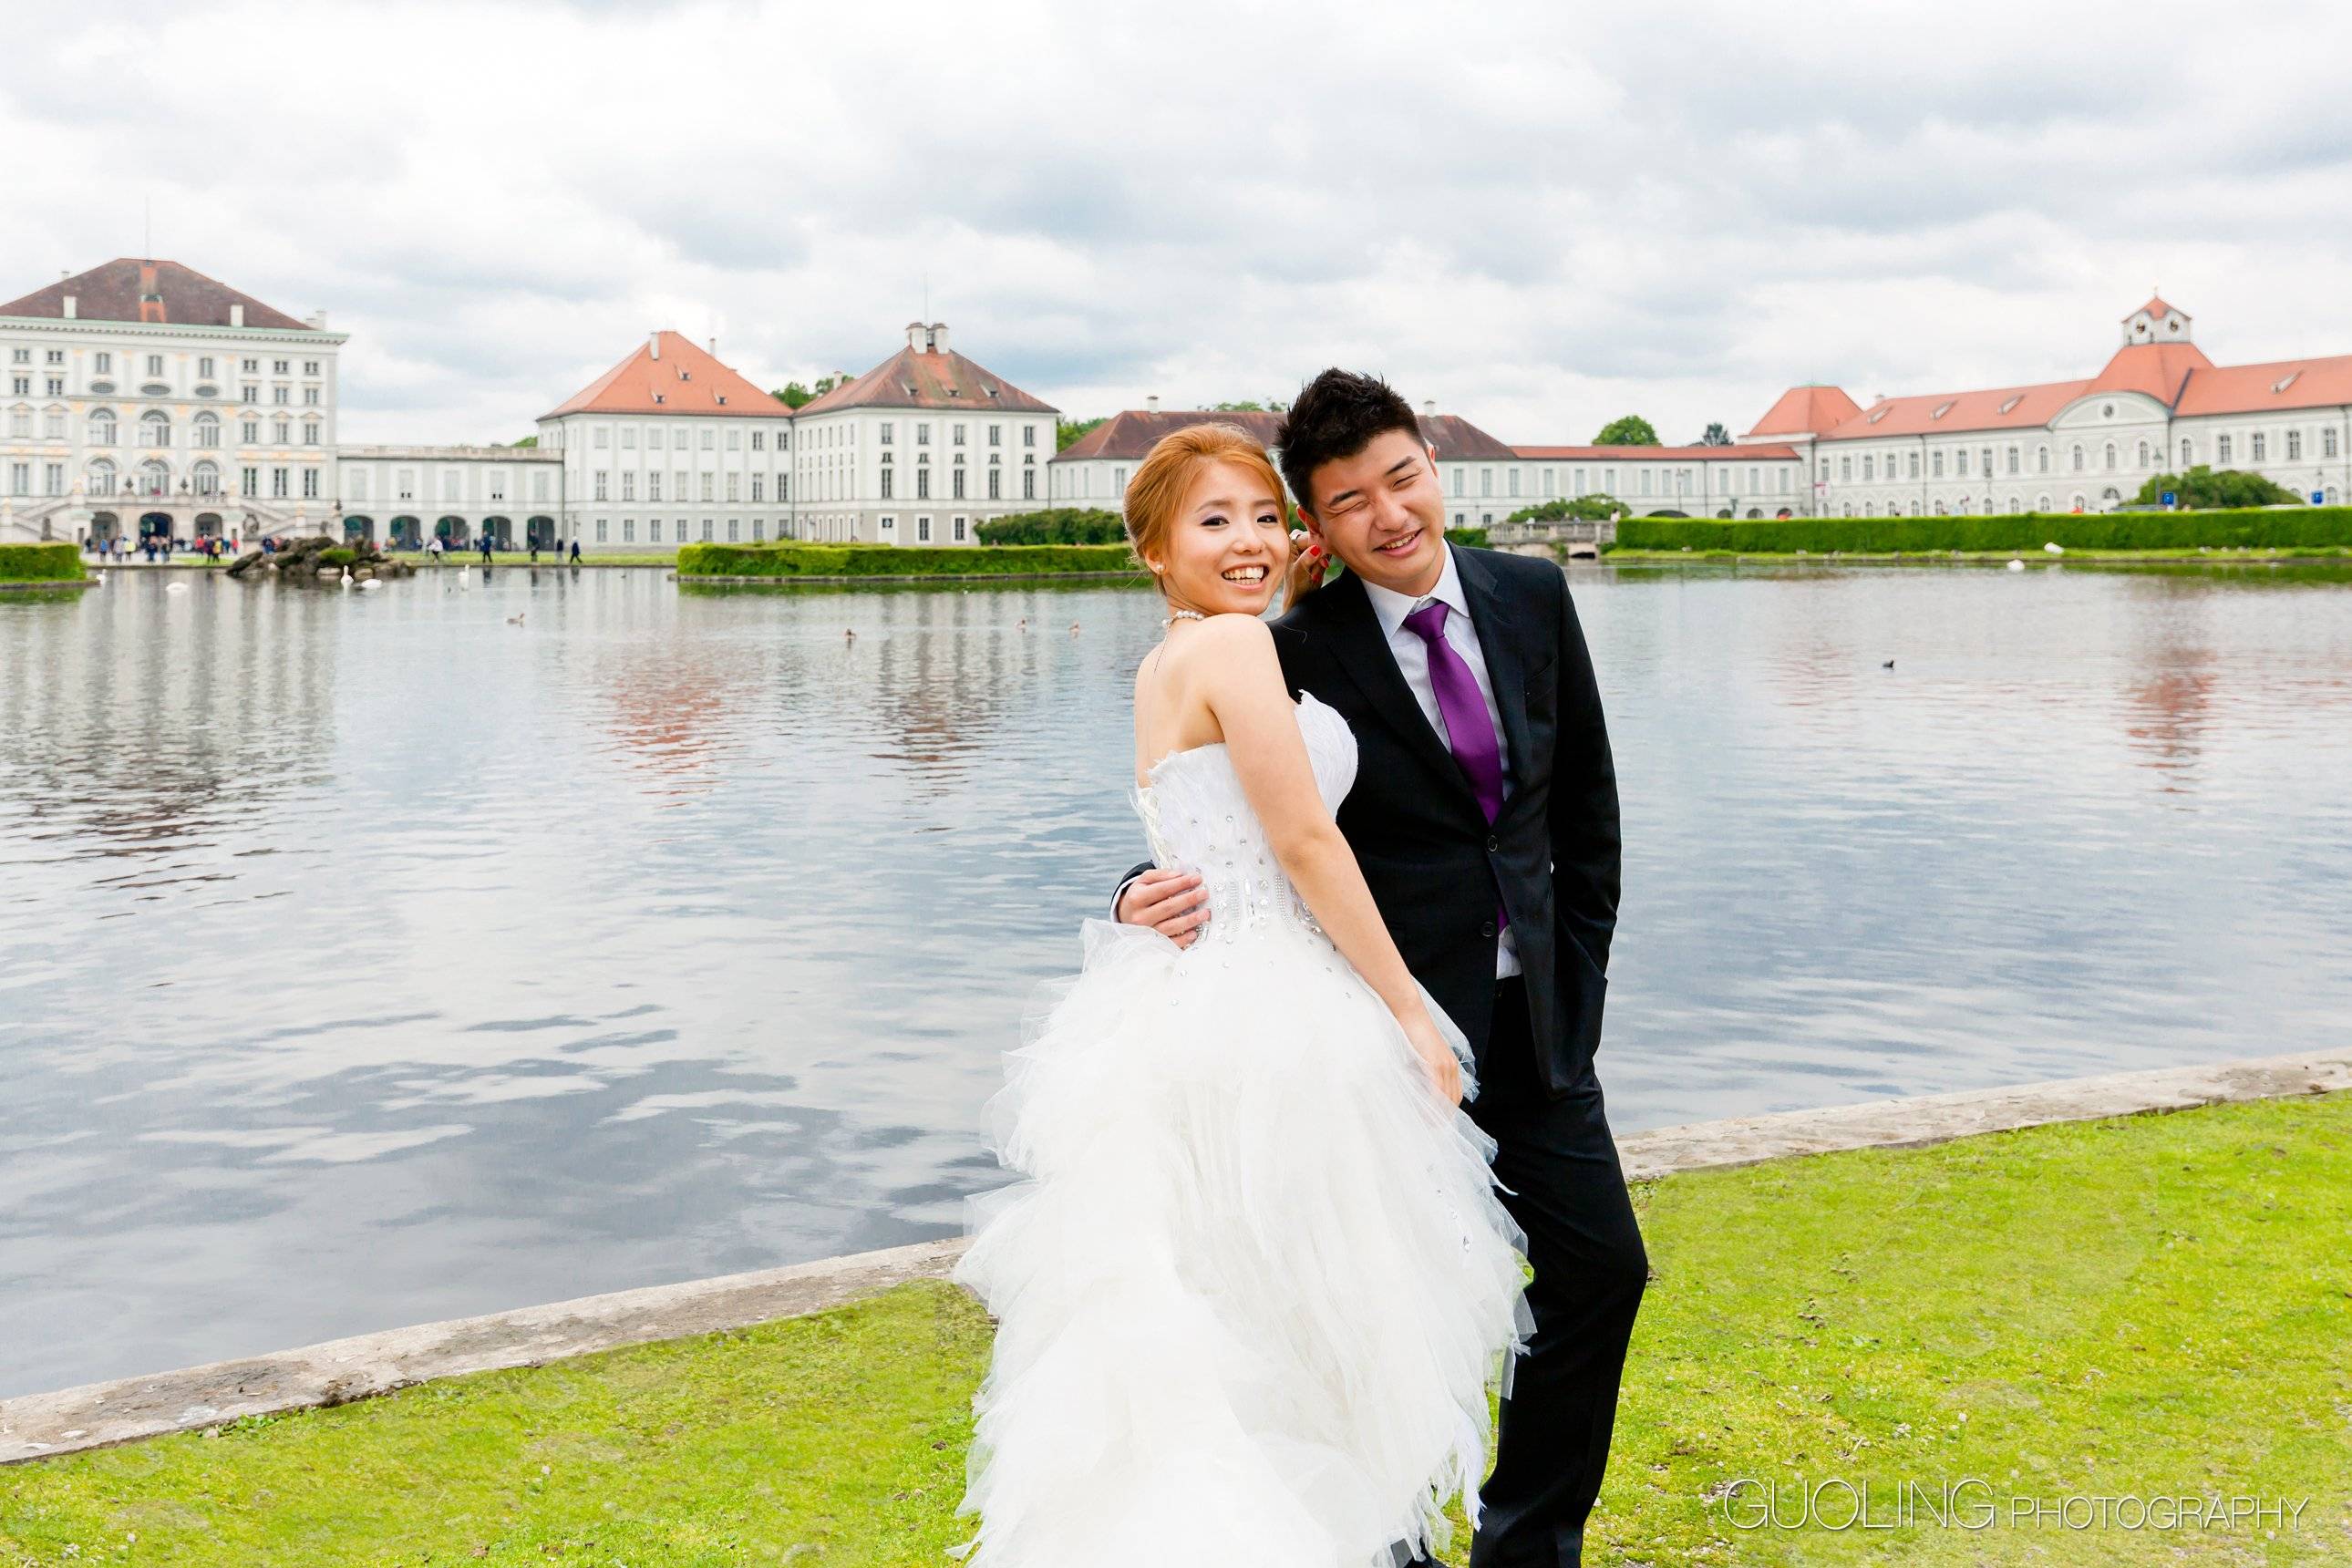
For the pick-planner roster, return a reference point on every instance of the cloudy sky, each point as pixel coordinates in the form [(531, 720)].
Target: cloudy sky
[(1541, 215)]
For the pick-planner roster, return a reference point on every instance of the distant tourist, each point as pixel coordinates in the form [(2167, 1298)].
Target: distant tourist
[(575, 550)]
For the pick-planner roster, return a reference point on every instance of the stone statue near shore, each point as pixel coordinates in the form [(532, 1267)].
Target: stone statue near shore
[(320, 559)]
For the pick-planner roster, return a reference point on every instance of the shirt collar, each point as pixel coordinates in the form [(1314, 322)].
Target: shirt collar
[(1392, 607)]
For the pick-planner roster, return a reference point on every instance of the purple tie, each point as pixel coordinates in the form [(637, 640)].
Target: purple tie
[(1467, 727)]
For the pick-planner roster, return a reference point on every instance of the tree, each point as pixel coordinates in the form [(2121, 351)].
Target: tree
[(1066, 431), (1594, 508), (1717, 435), (2201, 486), (793, 394), (1632, 430), (1248, 406)]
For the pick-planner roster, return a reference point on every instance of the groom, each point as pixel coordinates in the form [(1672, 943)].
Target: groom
[(1485, 817)]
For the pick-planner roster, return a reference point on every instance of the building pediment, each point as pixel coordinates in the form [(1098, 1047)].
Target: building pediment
[(2109, 410)]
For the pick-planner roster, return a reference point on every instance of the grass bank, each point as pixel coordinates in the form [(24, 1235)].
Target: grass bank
[(790, 560), (41, 563), (2297, 527), (2149, 1306)]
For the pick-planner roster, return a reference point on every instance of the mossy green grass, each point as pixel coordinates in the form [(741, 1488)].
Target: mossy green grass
[(2156, 1305)]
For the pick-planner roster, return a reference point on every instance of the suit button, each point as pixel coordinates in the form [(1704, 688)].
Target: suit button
[(1493, 845), (1486, 929)]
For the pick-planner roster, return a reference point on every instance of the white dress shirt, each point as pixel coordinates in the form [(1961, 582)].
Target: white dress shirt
[(1412, 662)]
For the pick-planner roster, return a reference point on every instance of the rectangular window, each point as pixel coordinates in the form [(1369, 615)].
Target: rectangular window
[(57, 477), (758, 485), (886, 477), (1485, 481), (278, 483), (706, 480), (996, 434), (1515, 481), (652, 484), (958, 535), (1028, 484), (958, 486), (56, 385), (2327, 442), (679, 492), (277, 366), (923, 434), (1845, 471), (281, 394), (310, 397), (20, 478), (922, 484), (1029, 435), (251, 395), (758, 529), (600, 530), (730, 529), (601, 493), (154, 365), (599, 437), (628, 486), (922, 530), (995, 481), (653, 529), (309, 367), (956, 435), (106, 365), (310, 484), (310, 432), (734, 483)]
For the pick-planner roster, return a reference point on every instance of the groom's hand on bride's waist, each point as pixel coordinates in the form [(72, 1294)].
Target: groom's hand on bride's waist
[(1169, 902)]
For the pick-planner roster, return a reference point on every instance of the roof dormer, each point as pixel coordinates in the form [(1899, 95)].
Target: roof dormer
[(2155, 322)]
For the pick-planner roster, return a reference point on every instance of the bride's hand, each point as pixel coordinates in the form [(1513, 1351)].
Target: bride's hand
[(1437, 1058), (1309, 566)]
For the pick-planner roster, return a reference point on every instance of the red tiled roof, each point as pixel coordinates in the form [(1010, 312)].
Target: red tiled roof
[(1128, 436), (2156, 369), (2255, 388), (2000, 408), (683, 379), (1806, 411), (2157, 309), (930, 378), (1734, 454), (138, 289)]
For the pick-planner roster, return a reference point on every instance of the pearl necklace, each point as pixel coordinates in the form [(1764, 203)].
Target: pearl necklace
[(1175, 615)]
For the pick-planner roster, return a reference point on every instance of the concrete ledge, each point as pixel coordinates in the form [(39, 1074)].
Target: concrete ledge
[(1939, 1117), (101, 1414), (1135, 575)]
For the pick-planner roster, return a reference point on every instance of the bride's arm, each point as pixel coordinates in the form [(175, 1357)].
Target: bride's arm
[(1241, 682)]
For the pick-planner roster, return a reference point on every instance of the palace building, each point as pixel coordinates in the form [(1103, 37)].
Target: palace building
[(143, 398)]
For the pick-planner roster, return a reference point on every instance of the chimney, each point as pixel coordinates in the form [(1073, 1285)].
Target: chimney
[(236, 315), (316, 319), (938, 337), (654, 338), (915, 335), (714, 348), (71, 303), (1151, 405), (1429, 408)]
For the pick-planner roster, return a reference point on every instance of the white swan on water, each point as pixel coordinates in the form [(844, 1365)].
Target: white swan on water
[(347, 576), (176, 588), (371, 582), (2015, 564)]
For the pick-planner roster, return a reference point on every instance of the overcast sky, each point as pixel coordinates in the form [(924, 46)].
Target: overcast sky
[(1538, 216)]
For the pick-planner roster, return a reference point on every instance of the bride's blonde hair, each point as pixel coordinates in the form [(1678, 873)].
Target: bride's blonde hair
[(1157, 488)]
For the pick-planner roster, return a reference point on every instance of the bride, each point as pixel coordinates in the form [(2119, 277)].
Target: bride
[(1252, 1289)]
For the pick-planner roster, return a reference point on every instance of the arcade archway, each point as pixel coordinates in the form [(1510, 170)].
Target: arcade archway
[(451, 531), (540, 533), (499, 532), (407, 533), (360, 528)]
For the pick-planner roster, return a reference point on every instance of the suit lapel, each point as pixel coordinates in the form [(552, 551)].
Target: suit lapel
[(1361, 651), (1505, 671)]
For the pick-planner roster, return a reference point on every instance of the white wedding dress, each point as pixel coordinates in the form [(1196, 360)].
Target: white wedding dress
[(1253, 1288)]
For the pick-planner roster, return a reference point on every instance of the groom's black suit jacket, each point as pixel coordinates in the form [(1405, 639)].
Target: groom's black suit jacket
[(1434, 865)]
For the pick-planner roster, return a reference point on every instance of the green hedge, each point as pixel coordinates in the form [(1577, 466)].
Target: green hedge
[(1476, 538), (1057, 525), (793, 560), (2283, 527), (40, 562)]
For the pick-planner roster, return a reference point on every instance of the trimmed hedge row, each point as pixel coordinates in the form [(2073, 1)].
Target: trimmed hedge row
[(2025, 530), (794, 560), (40, 562)]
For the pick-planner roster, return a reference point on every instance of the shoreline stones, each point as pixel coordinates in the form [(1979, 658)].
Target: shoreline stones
[(308, 562)]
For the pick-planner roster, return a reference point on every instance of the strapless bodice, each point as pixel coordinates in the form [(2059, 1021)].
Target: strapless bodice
[(1198, 819)]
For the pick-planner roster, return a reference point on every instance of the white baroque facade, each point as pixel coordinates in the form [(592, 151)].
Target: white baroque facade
[(399, 496), (2158, 405), (921, 450), (671, 447), (143, 397)]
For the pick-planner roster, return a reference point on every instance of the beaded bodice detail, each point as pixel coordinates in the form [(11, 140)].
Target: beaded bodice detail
[(1198, 819)]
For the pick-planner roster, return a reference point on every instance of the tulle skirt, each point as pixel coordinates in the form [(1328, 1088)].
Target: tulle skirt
[(1256, 1284)]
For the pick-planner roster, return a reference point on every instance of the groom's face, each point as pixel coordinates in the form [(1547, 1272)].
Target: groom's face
[(1381, 512)]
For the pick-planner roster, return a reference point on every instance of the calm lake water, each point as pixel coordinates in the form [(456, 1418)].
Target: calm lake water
[(370, 959)]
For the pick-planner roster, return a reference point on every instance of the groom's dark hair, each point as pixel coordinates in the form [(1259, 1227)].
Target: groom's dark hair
[(1336, 415)]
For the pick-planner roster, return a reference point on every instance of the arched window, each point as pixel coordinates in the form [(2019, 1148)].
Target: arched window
[(102, 427), (100, 477), (2041, 459), (2261, 445), (1869, 466), (207, 478), (2187, 452), (207, 430), (154, 478), (2221, 450), (2015, 506), (2294, 446), (2077, 456), (2042, 503), (154, 428), (2111, 457)]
